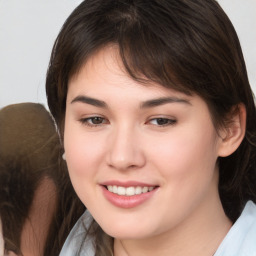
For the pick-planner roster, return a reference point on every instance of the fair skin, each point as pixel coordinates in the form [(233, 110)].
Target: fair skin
[(121, 133)]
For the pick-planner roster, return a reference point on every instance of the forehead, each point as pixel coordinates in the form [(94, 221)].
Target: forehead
[(104, 63), (104, 71)]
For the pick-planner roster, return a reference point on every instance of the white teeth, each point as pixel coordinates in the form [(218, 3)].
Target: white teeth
[(110, 188), (138, 190), (145, 190), (115, 189), (130, 191), (121, 191)]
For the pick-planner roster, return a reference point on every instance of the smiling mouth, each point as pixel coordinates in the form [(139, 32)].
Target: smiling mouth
[(129, 191)]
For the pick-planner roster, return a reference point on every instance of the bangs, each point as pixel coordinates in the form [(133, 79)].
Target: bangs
[(169, 49), (146, 58)]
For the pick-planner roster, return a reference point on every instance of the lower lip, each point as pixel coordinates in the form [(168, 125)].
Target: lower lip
[(127, 201)]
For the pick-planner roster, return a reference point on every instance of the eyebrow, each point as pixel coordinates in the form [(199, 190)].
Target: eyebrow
[(162, 101), (90, 101), (146, 104)]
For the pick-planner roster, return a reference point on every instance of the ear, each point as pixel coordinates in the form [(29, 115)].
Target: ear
[(232, 135)]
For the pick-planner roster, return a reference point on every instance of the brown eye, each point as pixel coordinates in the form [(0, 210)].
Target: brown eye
[(93, 121), (162, 121), (96, 120)]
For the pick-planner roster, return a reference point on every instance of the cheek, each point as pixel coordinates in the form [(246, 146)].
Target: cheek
[(187, 165), (81, 158), (82, 150), (82, 164), (186, 154)]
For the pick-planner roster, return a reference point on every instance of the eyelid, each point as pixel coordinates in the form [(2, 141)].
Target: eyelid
[(169, 121), (86, 121), (166, 121)]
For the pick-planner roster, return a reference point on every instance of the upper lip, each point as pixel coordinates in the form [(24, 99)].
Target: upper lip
[(127, 183)]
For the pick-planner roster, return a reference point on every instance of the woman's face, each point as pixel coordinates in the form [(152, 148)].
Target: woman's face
[(142, 158)]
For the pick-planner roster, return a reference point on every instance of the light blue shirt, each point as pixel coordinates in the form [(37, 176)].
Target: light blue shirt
[(75, 242), (240, 240)]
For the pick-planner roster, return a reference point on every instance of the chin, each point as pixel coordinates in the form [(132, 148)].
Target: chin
[(128, 232)]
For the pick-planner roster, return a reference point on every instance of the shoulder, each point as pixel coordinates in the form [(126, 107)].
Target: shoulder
[(241, 239), (77, 241)]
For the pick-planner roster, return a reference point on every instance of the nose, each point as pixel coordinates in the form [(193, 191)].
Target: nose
[(125, 150)]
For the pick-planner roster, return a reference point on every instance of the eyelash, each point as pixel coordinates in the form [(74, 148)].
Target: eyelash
[(160, 121), (166, 121), (89, 121)]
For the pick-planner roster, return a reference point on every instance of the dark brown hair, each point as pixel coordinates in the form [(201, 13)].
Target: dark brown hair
[(30, 151), (187, 45)]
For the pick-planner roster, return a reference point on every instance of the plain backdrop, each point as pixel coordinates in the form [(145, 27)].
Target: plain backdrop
[(28, 29)]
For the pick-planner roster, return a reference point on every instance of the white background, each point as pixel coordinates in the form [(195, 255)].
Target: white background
[(28, 29)]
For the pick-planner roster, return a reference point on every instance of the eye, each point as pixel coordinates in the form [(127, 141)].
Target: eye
[(162, 121), (93, 121)]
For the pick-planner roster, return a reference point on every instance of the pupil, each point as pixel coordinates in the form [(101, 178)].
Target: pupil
[(97, 120), (161, 121)]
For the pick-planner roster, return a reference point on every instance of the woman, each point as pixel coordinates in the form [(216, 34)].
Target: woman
[(158, 124)]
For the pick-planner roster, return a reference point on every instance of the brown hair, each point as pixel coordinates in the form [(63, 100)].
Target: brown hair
[(188, 45), (30, 151)]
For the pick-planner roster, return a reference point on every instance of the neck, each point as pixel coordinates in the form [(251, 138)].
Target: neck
[(198, 235)]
